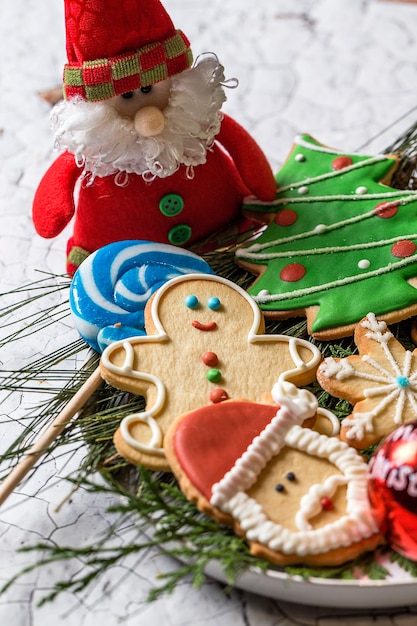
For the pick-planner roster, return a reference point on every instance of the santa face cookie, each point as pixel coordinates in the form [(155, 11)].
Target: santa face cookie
[(204, 344), (297, 496), (381, 383)]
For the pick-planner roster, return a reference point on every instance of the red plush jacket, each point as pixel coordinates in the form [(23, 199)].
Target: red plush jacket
[(175, 210)]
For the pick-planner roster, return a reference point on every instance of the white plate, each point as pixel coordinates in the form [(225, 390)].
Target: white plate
[(399, 589)]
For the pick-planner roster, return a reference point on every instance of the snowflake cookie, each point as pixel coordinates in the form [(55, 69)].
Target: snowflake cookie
[(381, 383)]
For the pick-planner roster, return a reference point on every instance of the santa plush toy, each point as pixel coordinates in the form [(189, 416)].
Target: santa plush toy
[(147, 153)]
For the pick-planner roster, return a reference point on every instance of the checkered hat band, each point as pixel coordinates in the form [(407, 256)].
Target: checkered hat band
[(105, 78)]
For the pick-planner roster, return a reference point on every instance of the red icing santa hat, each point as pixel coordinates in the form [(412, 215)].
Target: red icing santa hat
[(116, 46), (209, 440)]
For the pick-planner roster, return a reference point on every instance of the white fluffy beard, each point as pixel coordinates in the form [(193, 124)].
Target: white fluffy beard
[(106, 143)]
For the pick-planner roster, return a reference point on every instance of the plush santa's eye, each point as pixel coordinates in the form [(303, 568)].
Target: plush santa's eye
[(146, 89), (128, 95)]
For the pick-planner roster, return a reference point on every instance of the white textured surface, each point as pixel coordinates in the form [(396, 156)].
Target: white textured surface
[(344, 72)]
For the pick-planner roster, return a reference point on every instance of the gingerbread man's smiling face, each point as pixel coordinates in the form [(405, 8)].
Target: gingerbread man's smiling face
[(198, 306)]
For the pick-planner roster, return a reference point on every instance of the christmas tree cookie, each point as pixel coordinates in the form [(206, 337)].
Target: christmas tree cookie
[(339, 242)]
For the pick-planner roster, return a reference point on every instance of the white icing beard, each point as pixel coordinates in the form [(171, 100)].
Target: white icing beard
[(105, 143), (229, 494)]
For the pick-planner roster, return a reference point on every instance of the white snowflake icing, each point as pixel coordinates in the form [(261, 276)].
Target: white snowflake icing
[(339, 369), (395, 382)]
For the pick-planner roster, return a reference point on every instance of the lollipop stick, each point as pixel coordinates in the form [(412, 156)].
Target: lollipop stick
[(51, 433)]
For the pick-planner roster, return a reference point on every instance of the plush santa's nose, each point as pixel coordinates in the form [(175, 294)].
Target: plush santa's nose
[(149, 121)]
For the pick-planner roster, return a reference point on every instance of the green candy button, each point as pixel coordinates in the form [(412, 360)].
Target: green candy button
[(171, 204), (179, 234), (213, 375)]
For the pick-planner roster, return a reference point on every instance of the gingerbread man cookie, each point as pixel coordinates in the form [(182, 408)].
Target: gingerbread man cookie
[(204, 344), (296, 495), (380, 381)]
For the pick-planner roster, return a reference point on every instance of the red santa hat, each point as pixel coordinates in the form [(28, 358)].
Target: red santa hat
[(208, 441), (116, 46)]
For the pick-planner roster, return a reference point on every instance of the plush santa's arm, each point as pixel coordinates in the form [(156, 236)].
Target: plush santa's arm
[(249, 159), (53, 204)]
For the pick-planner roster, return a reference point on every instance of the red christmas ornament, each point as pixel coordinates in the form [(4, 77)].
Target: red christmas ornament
[(392, 488)]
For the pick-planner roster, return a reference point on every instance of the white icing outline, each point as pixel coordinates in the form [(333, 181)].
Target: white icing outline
[(155, 445), (329, 250), (331, 417), (294, 344)]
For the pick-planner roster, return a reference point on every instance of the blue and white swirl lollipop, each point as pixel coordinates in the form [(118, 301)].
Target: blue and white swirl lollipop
[(111, 287)]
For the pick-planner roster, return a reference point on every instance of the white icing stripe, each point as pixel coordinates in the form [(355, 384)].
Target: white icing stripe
[(348, 197), (324, 228), (264, 298), (333, 173), (330, 250)]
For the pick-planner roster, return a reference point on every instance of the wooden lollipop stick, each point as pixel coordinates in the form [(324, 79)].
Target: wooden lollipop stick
[(51, 433)]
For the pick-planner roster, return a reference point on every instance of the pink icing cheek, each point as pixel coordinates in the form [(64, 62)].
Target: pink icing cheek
[(385, 210), (286, 217), (339, 163), (403, 249), (293, 272)]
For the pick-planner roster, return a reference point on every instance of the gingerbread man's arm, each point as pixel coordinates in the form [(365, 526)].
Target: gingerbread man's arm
[(118, 368), (53, 204), (249, 159)]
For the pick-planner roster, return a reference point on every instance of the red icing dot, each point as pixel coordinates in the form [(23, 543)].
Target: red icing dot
[(326, 504), (292, 272), (339, 163), (386, 209), (286, 217), (210, 358), (218, 395), (403, 249)]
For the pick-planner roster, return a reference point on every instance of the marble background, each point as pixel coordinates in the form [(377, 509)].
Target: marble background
[(344, 72)]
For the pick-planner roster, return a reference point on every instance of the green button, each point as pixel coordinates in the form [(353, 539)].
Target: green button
[(171, 204), (180, 234), (213, 375)]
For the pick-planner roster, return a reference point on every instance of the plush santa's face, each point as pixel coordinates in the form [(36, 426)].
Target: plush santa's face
[(150, 131)]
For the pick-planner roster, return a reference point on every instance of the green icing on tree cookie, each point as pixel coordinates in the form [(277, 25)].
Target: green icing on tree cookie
[(339, 239)]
